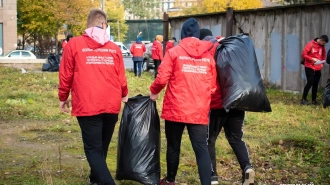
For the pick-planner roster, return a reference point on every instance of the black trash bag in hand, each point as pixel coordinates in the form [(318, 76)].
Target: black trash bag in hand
[(326, 95), (138, 155), (239, 75)]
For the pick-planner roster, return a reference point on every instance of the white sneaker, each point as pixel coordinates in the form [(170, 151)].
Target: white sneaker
[(248, 178), (214, 180)]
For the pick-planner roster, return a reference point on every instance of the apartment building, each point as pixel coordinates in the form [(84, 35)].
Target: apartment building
[(8, 26)]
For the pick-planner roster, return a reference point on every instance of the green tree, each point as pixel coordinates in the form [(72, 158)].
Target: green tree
[(76, 14), (143, 9), (115, 13), (210, 6), (44, 17)]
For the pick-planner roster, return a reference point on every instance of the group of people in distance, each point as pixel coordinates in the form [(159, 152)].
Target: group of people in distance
[(92, 69), (138, 48)]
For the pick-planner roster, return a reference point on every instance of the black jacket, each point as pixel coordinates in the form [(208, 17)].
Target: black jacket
[(328, 57)]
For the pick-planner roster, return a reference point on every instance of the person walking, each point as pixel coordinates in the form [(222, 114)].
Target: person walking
[(231, 121), (65, 42), (137, 49), (92, 69), (313, 52), (189, 72), (157, 52)]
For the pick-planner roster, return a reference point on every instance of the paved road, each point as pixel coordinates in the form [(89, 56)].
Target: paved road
[(128, 62)]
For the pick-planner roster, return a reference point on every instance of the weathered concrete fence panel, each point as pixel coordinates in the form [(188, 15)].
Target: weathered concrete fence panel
[(279, 35)]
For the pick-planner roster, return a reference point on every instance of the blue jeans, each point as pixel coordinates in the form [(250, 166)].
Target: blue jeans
[(96, 134), (137, 68)]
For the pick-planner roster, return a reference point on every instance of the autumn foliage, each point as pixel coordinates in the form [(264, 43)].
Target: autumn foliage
[(210, 6)]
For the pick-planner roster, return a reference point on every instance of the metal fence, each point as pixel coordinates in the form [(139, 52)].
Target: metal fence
[(149, 29), (279, 35)]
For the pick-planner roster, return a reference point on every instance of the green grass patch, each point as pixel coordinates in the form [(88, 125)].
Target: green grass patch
[(41, 145)]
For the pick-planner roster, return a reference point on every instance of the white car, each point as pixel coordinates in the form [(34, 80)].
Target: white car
[(123, 49), (19, 54)]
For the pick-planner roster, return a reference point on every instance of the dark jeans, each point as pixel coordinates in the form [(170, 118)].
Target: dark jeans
[(96, 135), (232, 122), (198, 136), (137, 68), (313, 79), (157, 63)]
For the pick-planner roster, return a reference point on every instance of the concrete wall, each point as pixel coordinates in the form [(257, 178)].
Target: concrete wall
[(279, 35), (8, 19)]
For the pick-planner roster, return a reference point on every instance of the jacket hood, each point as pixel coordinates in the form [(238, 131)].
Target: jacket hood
[(190, 28), (195, 47), (210, 38), (96, 37)]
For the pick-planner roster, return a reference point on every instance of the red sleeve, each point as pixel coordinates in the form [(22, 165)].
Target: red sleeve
[(144, 48), (214, 76), (307, 50), (160, 51), (66, 73), (164, 74), (122, 75), (132, 49)]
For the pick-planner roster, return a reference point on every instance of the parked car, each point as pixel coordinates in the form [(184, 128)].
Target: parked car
[(19, 54), (148, 62), (123, 49)]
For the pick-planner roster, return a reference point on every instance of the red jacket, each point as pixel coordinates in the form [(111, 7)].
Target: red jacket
[(169, 45), (216, 99), (95, 75), (157, 50), (137, 50), (189, 72), (313, 50)]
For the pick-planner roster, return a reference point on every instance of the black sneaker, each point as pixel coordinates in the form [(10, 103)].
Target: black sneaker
[(248, 176), (315, 102), (214, 180), (304, 102)]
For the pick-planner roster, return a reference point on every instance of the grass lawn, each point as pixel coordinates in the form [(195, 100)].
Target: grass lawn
[(41, 145)]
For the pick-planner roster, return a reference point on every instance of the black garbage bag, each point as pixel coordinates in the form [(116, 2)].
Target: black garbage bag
[(138, 155), (45, 67), (239, 75), (326, 95), (54, 61)]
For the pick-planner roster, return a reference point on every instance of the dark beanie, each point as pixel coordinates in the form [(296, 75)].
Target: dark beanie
[(204, 32), (190, 28)]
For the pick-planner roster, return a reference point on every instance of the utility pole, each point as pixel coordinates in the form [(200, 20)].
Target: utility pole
[(118, 30), (103, 5)]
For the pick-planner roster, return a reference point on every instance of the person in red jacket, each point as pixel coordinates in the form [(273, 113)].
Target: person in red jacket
[(137, 50), (189, 72), (65, 42), (157, 52), (231, 121), (313, 52), (170, 44), (92, 69)]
